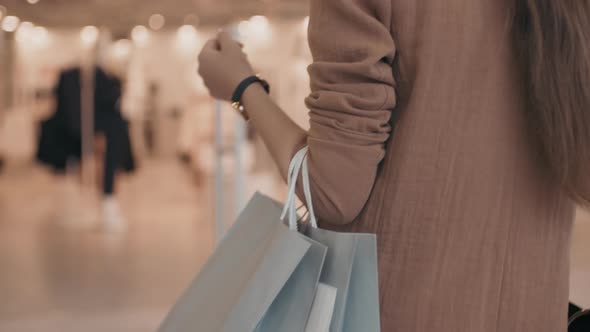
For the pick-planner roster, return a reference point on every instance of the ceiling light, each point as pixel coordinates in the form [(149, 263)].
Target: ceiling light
[(187, 31), (10, 23), (187, 38), (261, 22), (122, 48), (25, 25), (28, 35), (140, 35), (40, 36), (32, 2), (256, 30), (89, 35), (24, 32), (157, 21)]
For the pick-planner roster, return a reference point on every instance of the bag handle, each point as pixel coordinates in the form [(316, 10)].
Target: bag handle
[(299, 162)]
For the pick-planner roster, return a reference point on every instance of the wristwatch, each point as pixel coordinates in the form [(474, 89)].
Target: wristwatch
[(237, 95)]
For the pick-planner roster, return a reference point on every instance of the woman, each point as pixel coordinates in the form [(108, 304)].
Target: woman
[(472, 199)]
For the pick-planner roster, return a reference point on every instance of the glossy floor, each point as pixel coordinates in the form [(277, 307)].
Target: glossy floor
[(73, 277)]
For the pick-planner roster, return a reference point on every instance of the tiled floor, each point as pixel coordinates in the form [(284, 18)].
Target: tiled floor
[(56, 278)]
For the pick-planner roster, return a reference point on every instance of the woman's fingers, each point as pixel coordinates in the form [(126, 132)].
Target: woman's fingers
[(209, 51), (212, 45), (222, 43), (222, 65), (226, 42)]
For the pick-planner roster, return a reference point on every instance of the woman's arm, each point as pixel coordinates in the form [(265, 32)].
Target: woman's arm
[(350, 104), (282, 136), (223, 65)]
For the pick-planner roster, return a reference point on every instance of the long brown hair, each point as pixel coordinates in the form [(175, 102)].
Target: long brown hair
[(552, 43)]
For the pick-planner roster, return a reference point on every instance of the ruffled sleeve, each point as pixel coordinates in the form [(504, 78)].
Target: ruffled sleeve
[(351, 101)]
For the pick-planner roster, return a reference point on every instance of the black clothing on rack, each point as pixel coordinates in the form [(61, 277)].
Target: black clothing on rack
[(60, 139)]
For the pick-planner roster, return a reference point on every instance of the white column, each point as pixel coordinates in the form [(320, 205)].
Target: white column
[(219, 187), (240, 171)]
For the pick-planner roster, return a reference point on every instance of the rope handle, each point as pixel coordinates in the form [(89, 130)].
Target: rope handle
[(298, 163)]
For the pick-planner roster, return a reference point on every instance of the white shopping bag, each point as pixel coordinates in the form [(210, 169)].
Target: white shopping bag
[(322, 309)]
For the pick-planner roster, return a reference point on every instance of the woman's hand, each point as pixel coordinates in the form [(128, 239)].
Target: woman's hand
[(223, 65)]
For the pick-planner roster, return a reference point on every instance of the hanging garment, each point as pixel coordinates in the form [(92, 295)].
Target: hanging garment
[(60, 137)]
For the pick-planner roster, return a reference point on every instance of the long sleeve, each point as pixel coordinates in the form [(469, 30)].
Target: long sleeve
[(352, 97)]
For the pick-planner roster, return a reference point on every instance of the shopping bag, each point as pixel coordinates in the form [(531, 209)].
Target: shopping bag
[(291, 308), (322, 309), (350, 265), (351, 268), (247, 271)]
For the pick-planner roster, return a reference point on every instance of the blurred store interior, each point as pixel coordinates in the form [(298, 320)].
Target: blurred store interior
[(195, 162)]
